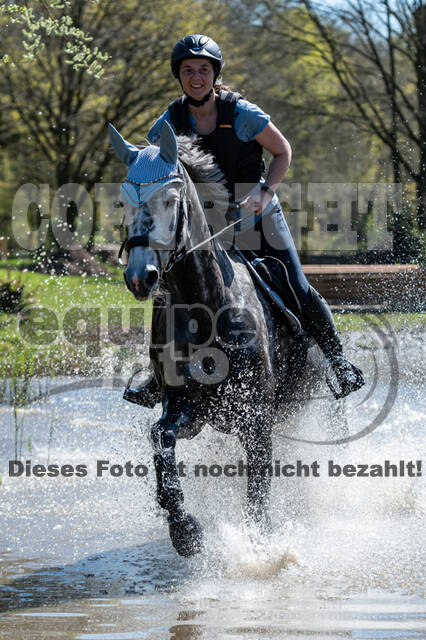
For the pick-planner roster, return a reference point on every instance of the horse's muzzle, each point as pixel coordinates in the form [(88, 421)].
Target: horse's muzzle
[(142, 284)]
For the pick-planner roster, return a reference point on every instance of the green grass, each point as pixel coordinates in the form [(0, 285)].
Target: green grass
[(61, 292), (59, 295), (399, 321), (16, 263)]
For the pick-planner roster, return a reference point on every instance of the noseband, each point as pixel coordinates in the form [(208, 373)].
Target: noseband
[(176, 254), (143, 240)]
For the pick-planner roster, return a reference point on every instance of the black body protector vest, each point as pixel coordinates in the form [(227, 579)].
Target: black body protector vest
[(240, 162)]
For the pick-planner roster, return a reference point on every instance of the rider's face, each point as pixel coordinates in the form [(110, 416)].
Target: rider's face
[(196, 76)]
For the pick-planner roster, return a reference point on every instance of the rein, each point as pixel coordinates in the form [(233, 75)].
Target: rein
[(176, 255), (183, 252)]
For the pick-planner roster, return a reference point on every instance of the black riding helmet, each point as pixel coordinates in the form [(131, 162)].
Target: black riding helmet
[(196, 46)]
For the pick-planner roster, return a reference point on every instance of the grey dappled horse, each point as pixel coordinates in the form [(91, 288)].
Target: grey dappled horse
[(220, 351)]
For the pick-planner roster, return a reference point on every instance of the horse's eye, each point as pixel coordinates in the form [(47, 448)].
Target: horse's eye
[(171, 202), (118, 204)]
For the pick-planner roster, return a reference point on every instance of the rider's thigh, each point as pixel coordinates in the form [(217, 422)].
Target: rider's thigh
[(277, 241)]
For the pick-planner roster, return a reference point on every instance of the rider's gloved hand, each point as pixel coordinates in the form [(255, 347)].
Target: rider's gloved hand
[(256, 203)]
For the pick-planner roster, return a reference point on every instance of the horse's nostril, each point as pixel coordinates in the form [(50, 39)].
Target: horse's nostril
[(151, 277)]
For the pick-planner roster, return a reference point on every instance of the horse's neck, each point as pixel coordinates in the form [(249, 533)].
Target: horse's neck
[(204, 278), (198, 278)]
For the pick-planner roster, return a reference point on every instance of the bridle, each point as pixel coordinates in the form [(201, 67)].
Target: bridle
[(179, 252)]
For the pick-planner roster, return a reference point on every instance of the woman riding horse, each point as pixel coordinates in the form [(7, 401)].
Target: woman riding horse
[(236, 131)]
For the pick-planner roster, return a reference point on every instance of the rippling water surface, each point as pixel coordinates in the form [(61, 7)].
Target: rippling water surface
[(89, 557)]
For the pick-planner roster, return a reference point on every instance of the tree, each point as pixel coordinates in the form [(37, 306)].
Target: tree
[(293, 84), (65, 111), (377, 53), (289, 80), (55, 111)]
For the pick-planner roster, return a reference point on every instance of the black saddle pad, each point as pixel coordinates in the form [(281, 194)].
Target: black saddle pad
[(274, 273)]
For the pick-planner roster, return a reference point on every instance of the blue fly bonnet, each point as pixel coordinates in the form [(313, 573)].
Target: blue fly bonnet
[(149, 168)]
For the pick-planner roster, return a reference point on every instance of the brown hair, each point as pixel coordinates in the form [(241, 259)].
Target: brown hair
[(219, 86)]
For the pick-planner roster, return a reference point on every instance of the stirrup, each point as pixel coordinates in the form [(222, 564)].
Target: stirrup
[(348, 376)]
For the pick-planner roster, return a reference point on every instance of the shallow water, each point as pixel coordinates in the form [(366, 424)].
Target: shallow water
[(90, 558)]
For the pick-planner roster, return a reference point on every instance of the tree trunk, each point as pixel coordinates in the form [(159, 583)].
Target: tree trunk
[(420, 23)]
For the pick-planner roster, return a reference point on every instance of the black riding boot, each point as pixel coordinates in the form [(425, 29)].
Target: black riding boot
[(320, 324), (146, 394)]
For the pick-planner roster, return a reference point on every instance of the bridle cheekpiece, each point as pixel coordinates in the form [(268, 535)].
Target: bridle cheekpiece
[(177, 253)]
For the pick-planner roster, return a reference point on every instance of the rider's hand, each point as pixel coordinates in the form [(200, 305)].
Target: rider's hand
[(256, 203)]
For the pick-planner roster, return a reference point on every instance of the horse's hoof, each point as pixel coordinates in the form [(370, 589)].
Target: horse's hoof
[(186, 534)]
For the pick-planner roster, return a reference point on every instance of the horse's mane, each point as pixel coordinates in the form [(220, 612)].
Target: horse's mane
[(200, 165)]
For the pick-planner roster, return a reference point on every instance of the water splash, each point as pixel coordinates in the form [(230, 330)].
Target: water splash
[(246, 551)]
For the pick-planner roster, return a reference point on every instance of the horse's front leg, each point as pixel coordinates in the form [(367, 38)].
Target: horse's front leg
[(185, 530), (257, 442)]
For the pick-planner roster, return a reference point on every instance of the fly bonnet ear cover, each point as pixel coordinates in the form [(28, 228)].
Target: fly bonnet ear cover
[(150, 167)]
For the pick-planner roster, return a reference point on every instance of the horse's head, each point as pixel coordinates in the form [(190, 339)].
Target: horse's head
[(153, 196)]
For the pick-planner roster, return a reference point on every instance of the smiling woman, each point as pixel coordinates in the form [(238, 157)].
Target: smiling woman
[(196, 77)]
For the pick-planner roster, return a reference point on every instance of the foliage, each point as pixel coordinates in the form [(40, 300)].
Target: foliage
[(17, 389), (23, 358), (376, 52), (289, 80), (62, 112), (46, 19), (54, 108), (54, 114)]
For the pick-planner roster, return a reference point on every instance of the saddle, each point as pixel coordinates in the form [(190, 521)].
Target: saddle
[(272, 277)]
